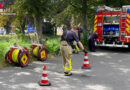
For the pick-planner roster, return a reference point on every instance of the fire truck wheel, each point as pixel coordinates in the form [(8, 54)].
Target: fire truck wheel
[(24, 59), (42, 54), (7, 58)]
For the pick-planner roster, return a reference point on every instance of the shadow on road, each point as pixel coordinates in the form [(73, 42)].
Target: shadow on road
[(114, 49)]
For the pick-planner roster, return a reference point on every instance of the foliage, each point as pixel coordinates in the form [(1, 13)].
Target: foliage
[(84, 39), (7, 41), (20, 19), (3, 20), (76, 11), (61, 18), (53, 45), (3, 49), (116, 4), (38, 9)]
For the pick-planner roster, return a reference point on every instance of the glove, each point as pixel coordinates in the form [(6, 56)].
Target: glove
[(85, 51)]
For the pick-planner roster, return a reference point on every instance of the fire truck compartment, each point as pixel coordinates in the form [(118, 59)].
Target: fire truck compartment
[(128, 10), (111, 25), (111, 30)]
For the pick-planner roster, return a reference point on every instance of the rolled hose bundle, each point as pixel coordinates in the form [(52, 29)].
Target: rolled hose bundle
[(39, 52), (17, 56)]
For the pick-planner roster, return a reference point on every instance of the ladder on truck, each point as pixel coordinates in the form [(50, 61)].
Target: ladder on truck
[(122, 27)]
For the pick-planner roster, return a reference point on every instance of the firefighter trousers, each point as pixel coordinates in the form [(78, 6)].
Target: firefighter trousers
[(66, 51)]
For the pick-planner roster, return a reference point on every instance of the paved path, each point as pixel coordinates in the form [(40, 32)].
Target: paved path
[(110, 71)]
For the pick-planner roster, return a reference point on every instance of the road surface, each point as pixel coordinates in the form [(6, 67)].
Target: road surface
[(110, 71)]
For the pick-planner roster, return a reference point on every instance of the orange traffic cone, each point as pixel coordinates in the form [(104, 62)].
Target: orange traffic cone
[(44, 80), (86, 64)]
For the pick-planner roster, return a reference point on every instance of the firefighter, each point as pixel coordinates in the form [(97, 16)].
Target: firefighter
[(75, 45), (91, 41), (80, 30), (66, 42)]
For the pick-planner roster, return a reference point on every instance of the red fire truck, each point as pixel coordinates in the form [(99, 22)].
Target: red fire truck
[(0, 5), (112, 26)]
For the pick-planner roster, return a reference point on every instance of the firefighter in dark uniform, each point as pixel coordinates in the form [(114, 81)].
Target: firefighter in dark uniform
[(91, 41), (66, 42), (75, 45), (80, 30)]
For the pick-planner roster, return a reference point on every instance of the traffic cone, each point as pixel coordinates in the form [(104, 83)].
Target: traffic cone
[(44, 80), (86, 64)]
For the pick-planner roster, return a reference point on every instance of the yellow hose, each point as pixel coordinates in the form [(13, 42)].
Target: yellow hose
[(15, 55), (35, 51)]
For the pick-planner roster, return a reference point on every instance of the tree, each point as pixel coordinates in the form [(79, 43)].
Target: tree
[(19, 20), (6, 20), (115, 3), (3, 20), (38, 9), (79, 10)]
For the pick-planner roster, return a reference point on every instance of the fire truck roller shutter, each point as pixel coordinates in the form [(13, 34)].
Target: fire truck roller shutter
[(128, 10)]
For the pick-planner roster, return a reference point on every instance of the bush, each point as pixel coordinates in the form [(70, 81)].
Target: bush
[(84, 40), (53, 46), (24, 40), (4, 47)]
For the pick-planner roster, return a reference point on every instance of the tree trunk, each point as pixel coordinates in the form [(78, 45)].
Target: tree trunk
[(7, 27), (23, 27), (68, 27), (38, 26), (84, 22), (55, 29), (84, 14)]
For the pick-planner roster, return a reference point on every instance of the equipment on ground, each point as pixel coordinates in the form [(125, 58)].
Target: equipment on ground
[(112, 26), (38, 50), (17, 55), (44, 80), (86, 64)]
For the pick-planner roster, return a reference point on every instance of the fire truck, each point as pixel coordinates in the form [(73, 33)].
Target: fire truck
[(112, 26)]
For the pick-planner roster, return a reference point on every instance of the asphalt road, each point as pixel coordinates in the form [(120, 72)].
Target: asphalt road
[(110, 71)]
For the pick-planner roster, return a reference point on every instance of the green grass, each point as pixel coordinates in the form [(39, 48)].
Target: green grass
[(53, 44)]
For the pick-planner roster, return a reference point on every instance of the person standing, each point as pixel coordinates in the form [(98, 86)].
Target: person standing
[(65, 46), (75, 45), (80, 30), (91, 41)]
